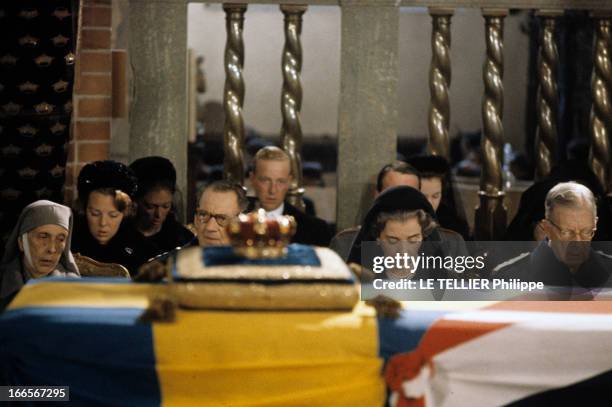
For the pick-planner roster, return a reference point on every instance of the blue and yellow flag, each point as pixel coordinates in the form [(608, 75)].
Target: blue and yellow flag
[(89, 335)]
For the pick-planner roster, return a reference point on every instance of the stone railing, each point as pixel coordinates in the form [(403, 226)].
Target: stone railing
[(368, 112)]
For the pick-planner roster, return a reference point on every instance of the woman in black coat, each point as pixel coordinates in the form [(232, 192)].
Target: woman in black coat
[(155, 219), (103, 230)]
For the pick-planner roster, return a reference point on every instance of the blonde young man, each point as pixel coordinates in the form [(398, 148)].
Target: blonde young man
[(565, 258), (271, 177)]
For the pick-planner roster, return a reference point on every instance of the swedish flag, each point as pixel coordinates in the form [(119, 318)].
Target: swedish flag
[(89, 335)]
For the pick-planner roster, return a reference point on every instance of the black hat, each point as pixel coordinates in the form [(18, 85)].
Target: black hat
[(154, 171), (106, 174), (429, 165), (393, 199)]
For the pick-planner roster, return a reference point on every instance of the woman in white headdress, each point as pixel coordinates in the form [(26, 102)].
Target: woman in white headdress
[(39, 246)]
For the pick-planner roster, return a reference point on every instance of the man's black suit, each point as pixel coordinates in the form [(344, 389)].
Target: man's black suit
[(310, 230), (542, 265)]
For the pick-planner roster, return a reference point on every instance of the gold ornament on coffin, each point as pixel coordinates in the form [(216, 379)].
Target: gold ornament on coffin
[(247, 285), (254, 236)]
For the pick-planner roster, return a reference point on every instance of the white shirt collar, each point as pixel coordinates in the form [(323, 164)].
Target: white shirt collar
[(275, 213)]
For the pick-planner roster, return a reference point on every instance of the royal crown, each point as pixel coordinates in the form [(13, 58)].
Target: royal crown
[(254, 236)]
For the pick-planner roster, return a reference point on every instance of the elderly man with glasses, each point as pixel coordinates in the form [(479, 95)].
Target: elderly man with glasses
[(565, 258), (218, 203)]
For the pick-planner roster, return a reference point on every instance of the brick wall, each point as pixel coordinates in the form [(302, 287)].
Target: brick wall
[(91, 125)]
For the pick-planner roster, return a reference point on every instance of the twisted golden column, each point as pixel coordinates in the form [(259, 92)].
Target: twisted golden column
[(601, 111), (547, 103), (291, 99), (233, 94), (490, 220), (439, 82)]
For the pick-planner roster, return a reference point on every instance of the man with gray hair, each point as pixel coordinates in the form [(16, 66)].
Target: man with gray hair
[(565, 258), (218, 203)]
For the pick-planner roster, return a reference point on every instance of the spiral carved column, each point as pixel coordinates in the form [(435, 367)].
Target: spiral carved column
[(291, 99), (601, 111), (490, 219), (439, 82), (233, 94), (547, 103)]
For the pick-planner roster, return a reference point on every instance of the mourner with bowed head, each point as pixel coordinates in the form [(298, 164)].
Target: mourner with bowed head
[(395, 174), (155, 218), (437, 188), (399, 221), (103, 230), (399, 173), (565, 257), (39, 246), (526, 224)]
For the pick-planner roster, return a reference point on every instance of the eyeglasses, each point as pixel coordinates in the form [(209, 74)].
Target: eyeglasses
[(573, 234), (204, 217)]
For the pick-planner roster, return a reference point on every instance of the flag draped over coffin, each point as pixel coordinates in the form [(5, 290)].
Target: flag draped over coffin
[(523, 353), (89, 335)]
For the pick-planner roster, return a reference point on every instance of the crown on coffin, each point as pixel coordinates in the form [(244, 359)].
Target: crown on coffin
[(254, 236)]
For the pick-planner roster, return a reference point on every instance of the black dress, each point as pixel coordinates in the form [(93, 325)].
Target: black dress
[(128, 247), (448, 219), (171, 235)]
